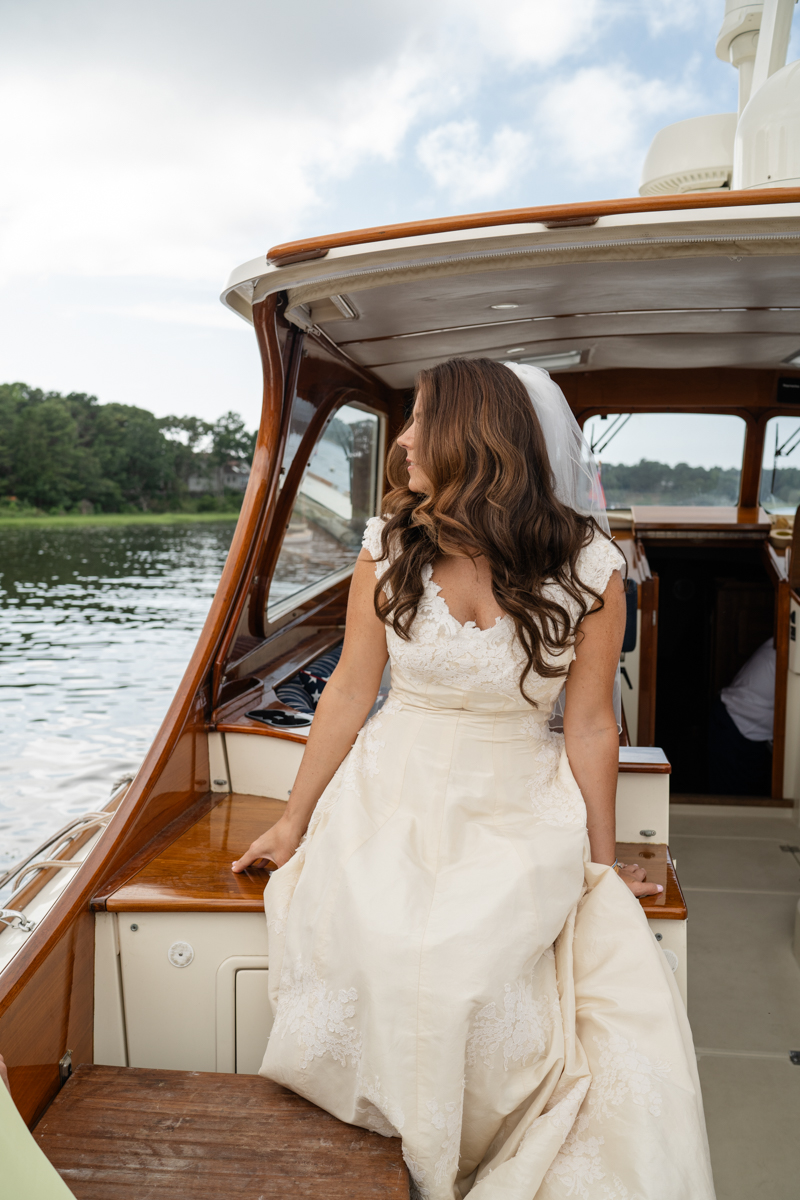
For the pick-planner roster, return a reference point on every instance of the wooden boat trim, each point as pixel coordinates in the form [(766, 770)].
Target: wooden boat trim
[(553, 216), (276, 375), (54, 966)]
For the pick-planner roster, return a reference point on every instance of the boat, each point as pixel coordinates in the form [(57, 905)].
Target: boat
[(133, 963)]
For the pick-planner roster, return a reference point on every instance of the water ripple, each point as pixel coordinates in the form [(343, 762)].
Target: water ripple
[(97, 625)]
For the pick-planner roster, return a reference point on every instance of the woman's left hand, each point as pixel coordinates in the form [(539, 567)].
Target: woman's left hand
[(635, 876)]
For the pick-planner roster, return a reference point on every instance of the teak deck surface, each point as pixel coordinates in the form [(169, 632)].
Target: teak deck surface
[(118, 1133)]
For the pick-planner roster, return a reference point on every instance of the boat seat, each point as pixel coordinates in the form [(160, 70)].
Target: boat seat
[(193, 873), (115, 1132), (181, 953)]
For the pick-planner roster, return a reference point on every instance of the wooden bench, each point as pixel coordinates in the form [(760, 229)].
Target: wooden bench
[(212, 1013), (116, 1133)]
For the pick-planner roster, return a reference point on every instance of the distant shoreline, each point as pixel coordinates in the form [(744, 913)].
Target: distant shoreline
[(168, 518)]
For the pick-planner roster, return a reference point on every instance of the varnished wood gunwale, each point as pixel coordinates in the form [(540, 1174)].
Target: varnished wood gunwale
[(553, 215), (173, 775), (115, 1133)]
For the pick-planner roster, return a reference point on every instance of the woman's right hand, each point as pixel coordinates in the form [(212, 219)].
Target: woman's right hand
[(277, 845)]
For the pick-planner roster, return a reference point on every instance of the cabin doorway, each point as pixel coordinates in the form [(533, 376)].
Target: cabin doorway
[(716, 607)]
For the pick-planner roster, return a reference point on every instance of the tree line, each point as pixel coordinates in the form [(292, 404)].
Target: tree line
[(69, 453), (649, 482)]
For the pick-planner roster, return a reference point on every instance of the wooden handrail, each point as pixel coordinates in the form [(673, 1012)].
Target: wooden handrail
[(554, 216)]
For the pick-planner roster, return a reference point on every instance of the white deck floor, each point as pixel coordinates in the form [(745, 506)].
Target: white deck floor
[(744, 991)]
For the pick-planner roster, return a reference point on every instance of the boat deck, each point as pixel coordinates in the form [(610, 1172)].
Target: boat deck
[(742, 890), (117, 1133)]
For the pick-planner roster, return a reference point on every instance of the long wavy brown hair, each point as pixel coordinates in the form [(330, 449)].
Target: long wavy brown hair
[(492, 494)]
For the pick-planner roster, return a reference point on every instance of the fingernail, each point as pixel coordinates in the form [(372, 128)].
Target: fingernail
[(659, 887)]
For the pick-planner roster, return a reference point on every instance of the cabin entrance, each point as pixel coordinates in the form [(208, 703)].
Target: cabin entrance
[(701, 486), (716, 607)]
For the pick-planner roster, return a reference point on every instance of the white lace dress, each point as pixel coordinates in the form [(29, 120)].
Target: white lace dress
[(447, 965)]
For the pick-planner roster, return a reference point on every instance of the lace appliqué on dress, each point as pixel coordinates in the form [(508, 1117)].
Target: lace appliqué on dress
[(277, 909), (578, 1164), (378, 1112), (624, 1072), (447, 1118), (523, 1028), (363, 758), (467, 658), (308, 1008), (418, 1181), (552, 801)]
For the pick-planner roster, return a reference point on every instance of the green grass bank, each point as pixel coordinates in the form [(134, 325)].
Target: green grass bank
[(20, 521)]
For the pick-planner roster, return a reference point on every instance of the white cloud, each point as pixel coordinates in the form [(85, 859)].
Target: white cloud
[(596, 120), (680, 14), (536, 32), (115, 174), (147, 149), (173, 142), (460, 164)]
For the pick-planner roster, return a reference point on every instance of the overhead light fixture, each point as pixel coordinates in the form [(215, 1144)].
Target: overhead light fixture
[(554, 362), (517, 350), (502, 306), (345, 307)]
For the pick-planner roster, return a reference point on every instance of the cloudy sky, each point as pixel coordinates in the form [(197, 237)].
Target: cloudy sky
[(148, 148)]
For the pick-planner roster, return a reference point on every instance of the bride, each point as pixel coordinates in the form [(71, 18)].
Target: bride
[(456, 958)]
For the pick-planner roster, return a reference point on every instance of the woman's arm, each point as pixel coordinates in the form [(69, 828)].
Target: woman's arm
[(348, 696), (590, 727)]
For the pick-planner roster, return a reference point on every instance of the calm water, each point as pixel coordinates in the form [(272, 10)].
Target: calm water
[(96, 628)]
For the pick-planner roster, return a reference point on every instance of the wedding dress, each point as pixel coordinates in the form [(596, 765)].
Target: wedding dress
[(448, 966)]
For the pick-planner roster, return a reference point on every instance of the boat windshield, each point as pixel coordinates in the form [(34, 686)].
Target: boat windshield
[(780, 467), (668, 458), (336, 498)]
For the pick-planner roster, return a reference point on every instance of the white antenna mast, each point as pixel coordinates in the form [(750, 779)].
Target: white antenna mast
[(773, 40)]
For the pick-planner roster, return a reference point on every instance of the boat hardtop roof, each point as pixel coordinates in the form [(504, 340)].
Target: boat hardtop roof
[(647, 282)]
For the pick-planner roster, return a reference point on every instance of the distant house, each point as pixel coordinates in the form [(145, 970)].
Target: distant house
[(232, 476)]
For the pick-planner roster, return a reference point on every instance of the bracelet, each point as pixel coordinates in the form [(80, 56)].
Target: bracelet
[(615, 866)]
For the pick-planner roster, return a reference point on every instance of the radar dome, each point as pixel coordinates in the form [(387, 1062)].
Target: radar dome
[(690, 156), (767, 148)]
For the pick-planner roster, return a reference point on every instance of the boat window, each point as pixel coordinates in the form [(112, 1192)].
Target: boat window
[(336, 498), (302, 412), (780, 467), (668, 458)]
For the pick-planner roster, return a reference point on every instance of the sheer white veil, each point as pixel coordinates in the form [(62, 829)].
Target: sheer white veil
[(575, 472)]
